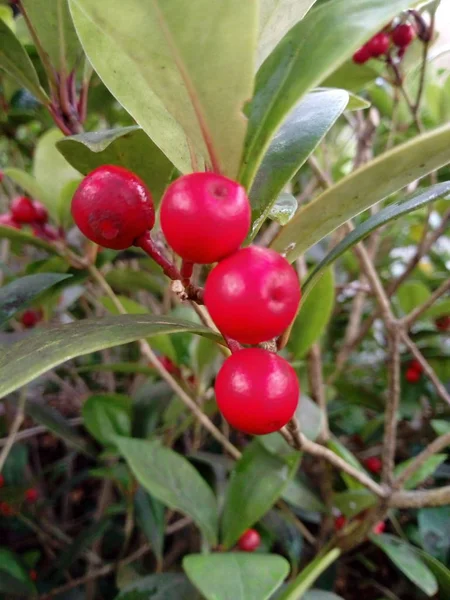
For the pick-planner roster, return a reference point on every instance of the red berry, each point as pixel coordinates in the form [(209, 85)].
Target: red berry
[(443, 323), (22, 210), (340, 522), (41, 212), (378, 45), (33, 575), (403, 35), (257, 391), (362, 55), (113, 207), (205, 217), (169, 365), (415, 365), (1, 176), (373, 464), (8, 221), (412, 376), (379, 528), (249, 540), (31, 495), (30, 318), (253, 295), (2, 481), (6, 510)]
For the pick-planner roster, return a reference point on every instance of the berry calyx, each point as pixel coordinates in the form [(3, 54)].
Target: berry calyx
[(41, 213), (249, 541), (23, 210), (443, 323), (31, 495), (205, 217), (8, 221), (373, 464), (403, 35), (362, 55), (112, 207), (340, 522), (379, 528), (257, 391), (30, 318), (412, 376), (253, 295), (378, 45)]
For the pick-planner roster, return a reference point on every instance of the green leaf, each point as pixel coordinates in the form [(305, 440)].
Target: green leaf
[(236, 576), (296, 139), (315, 312), (284, 208), (20, 293), (352, 502), (385, 215), (321, 595), (53, 346), (14, 579), (16, 235), (440, 309), (310, 417), (28, 183), (7, 15), (51, 169), (55, 30), (63, 213), (307, 54), (150, 519), (124, 280), (351, 77), (190, 61), (440, 426), (425, 471), (440, 571), (128, 147), (349, 457), (406, 559), (15, 61), (106, 416), (301, 584), (161, 586), (170, 478), (300, 495), (412, 294), (276, 17), (257, 481), (434, 531)]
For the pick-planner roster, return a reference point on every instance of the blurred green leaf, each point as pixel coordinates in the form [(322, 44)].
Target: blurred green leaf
[(335, 445), (310, 417), (28, 183), (440, 571), (301, 496), (150, 519), (412, 294), (351, 77), (82, 542), (353, 502), (434, 531), (106, 416), (440, 426), (160, 586), (425, 471), (284, 529), (14, 579), (236, 576), (125, 280)]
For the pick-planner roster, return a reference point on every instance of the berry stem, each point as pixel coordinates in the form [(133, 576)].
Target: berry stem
[(186, 272), (149, 247), (233, 345)]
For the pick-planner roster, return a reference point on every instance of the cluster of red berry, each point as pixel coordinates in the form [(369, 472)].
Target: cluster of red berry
[(252, 294), (31, 496), (24, 211), (413, 372), (381, 44)]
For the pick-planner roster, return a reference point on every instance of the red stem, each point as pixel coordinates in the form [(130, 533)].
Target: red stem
[(149, 247)]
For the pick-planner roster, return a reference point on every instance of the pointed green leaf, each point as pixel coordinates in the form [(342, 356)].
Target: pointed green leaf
[(172, 479), (28, 183), (196, 58), (44, 349), (385, 215), (301, 496), (15, 61), (236, 576), (150, 519), (14, 579), (256, 483), (20, 293), (412, 294), (106, 416), (128, 147), (335, 445), (425, 471), (439, 570)]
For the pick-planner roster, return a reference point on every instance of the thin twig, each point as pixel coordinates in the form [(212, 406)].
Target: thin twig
[(418, 312), (391, 413), (18, 420)]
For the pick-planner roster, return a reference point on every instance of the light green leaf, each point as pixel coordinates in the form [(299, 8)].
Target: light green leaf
[(20, 293), (128, 147), (193, 61), (256, 483), (51, 169), (425, 471), (384, 216), (7, 15), (440, 571), (296, 139), (15, 61), (236, 576), (352, 502), (44, 349), (308, 53), (351, 77), (356, 102), (28, 183), (440, 426), (170, 478), (335, 445), (284, 208), (412, 294), (321, 595), (23, 237), (160, 586), (310, 417), (315, 312), (64, 216), (405, 558), (106, 416), (55, 30)]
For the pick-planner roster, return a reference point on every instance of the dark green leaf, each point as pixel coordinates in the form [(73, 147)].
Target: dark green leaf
[(106, 416), (434, 531), (425, 471), (161, 586), (173, 480), (150, 519), (128, 147), (256, 483), (21, 292), (236, 576), (301, 496), (285, 531), (81, 543), (13, 577), (390, 213), (55, 345)]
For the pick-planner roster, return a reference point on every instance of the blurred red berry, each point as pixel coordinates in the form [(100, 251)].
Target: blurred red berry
[(169, 365), (379, 528), (6, 510), (30, 318), (249, 540), (362, 55), (443, 323), (2, 481), (378, 45), (33, 575), (373, 464), (1, 176), (340, 522), (412, 376), (22, 210), (415, 364), (31, 495), (403, 35), (41, 212), (8, 221)]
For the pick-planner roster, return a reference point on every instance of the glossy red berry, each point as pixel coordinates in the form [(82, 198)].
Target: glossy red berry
[(249, 541), (378, 45), (2, 481), (443, 323), (412, 376), (41, 212), (30, 318), (340, 522), (23, 210), (253, 295), (31, 495), (257, 391), (205, 217), (373, 464), (362, 55), (113, 207), (8, 221), (403, 35), (379, 528)]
